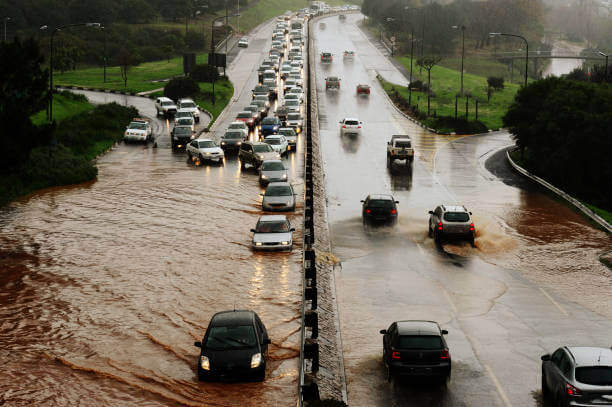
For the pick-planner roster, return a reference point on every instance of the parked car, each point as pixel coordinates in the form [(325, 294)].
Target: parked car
[(190, 106), (235, 346), (272, 232), (363, 89), (206, 150), (180, 136), (254, 153), (279, 196), (416, 348), (138, 130), (451, 222), (269, 125), (379, 209), (350, 126), (332, 82), (272, 171), (295, 121), (577, 376), (291, 137), (247, 118), (278, 143), (232, 140), (243, 42), (165, 106)]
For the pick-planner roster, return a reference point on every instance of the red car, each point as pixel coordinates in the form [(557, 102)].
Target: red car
[(363, 89), (247, 118)]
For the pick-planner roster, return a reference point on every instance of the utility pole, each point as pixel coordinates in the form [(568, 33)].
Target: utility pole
[(526, 49), (6, 20)]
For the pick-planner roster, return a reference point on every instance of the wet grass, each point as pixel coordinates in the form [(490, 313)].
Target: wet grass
[(64, 106), (224, 90)]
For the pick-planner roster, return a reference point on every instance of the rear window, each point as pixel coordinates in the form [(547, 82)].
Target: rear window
[(403, 144), (294, 116), (380, 203), (244, 115), (262, 148), (351, 122), (272, 141), (419, 342), (456, 217), (595, 375)]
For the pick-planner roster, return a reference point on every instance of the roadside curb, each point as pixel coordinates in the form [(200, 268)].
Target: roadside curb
[(588, 212)]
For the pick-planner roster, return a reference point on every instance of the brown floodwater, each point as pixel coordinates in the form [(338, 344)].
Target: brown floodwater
[(105, 286)]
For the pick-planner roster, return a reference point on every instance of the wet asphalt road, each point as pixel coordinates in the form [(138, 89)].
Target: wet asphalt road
[(533, 282), (107, 285)]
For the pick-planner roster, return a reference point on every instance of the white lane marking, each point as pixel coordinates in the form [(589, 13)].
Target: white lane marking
[(501, 391), (554, 302), (448, 298)]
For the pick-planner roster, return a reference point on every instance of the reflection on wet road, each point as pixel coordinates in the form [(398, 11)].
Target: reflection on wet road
[(106, 286), (533, 282)]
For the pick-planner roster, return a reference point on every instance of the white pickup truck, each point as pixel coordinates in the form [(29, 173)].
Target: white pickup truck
[(399, 148)]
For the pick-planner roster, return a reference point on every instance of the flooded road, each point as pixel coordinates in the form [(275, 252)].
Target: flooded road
[(106, 286), (563, 66), (533, 282)]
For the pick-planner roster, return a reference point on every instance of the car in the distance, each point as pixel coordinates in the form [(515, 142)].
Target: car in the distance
[(190, 106), (205, 150), (416, 348), (247, 118), (379, 208), (269, 125), (138, 130), (255, 153), (363, 89), (272, 232), (332, 82), (296, 91), (279, 197), (272, 171), (235, 346), (186, 121), (326, 57), (349, 55), (243, 42), (232, 140), (291, 137), (451, 222), (255, 111), (180, 136), (239, 126), (295, 121), (577, 376), (278, 143), (261, 90), (350, 125), (293, 105), (165, 106)]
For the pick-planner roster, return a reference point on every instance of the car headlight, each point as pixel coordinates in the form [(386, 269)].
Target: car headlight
[(192, 136), (284, 176), (239, 143), (264, 176), (285, 243), (206, 153), (258, 243), (260, 156), (255, 360), (205, 363), (223, 143)]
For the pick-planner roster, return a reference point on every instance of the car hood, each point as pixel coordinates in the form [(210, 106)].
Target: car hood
[(274, 174), (272, 237), (285, 200), (231, 141), (211, 150), (271, 155)]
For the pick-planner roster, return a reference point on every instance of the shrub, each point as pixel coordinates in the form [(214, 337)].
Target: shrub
[(495, 82), (181, 87), (58, 165), (204, 73)]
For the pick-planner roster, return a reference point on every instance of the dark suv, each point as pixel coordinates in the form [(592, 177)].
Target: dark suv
[(235, 346), (577, 376), (379, 209), (451, 222), (416, 348)]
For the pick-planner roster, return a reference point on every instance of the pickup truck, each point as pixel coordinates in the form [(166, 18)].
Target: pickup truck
[(399, 148)]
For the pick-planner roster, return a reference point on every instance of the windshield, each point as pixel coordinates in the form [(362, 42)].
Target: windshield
[(244, 115), (419, 342), (272, 166), (595, 375), (168, 103), (279, 226), (456, 216), (182, 130), (237, 126), (138, 126), (287, 133), (279, 190), (351, 122), (183, 114), (233, 134), (260, 89), (206, 144), (231, 337), (184, 121), (291, 102), (294, 116), (273, 141), (188, 105), (269, 120), (262, 148)]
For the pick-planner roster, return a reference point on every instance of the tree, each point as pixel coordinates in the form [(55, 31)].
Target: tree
[(428, 63), (204, 73), (124, 60), (178, 88), (168, 50)]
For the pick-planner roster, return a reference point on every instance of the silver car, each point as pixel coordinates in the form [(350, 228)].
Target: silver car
[(451, 221), (272, 171), (279, 196), (295, 121), (272, 232)]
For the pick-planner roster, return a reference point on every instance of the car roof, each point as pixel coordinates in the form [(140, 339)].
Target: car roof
[(417, 327), (382, 197), (236, 317), (237, 122), (165, 99), (591, 356), (272, 218), (454, 208), (279, 184), (183, 100)]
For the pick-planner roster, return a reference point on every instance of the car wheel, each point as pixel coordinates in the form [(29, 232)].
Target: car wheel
[(437, 237), (388, 161), (429, 231), (242, 164), (260, 377), (388, 375), (545, 392), (472, 241)]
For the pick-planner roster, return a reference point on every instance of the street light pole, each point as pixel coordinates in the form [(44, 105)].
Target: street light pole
[(213, 48), (606, 71), (104, 52), (526, 49), (6, 20), (462, 53)]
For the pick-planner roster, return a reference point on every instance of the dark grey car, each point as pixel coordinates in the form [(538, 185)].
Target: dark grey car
[(279, 196), (577, 376), (232, 140)]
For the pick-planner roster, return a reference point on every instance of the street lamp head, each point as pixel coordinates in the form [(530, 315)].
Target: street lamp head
[(602, 54), (494, 34), (43, 27), (94, 25)]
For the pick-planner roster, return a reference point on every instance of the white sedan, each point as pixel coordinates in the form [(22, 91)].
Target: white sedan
[(205, 150), (278, 143), (350, 125)]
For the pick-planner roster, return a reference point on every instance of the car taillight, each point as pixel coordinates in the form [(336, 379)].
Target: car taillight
[(572, 390), (439, 225), (393, 211), (368, 210), (395, 355), (358, 127), (471, 227), (344, 126), (444, 354)]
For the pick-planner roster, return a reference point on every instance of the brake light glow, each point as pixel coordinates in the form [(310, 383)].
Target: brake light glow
[(572, 390), (358, 127), (393, 212), (344, 126), (472, 227), (368, 210), (439, 225), (395, 355), (444, 354)]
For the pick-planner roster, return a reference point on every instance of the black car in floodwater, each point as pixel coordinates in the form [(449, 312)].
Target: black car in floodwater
[(234, 347), (379, 209)]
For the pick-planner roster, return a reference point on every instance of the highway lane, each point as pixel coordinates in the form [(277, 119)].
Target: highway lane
[(107, 285), (504, 303)]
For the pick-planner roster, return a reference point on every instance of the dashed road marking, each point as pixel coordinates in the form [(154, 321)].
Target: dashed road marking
[(554, 302), (500, 390)]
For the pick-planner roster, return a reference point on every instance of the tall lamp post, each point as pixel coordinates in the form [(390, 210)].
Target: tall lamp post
[(462, 53), (6, 20), (606, 71), (94, 25), (213, 49), (104, 52), (526, 49)]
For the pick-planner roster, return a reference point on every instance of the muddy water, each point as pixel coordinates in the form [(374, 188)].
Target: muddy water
[(106, 286)]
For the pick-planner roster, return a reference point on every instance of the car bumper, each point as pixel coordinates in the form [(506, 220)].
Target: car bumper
[(231, 374), (456, 236), (277, 208), (134, 137), (400, 369), (380, 219), (272, 247), (216, 158)]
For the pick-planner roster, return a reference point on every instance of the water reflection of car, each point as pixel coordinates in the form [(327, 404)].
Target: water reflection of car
[(138, 130), (278, 143), (180, 136), (232, 139), (577, 376), (416, 348), (379, 209), (272, 171), (451, 222), (272, 232), (235, 346), (205, 150)]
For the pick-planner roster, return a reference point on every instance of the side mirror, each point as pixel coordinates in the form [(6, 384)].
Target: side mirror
[(197, 344), (545, 358), (267, 341), (340, 122), (383, 331), (292, 229), (362, 201), (430, 212), (396, 201), (470, 213), (444, 332), (253, 230)]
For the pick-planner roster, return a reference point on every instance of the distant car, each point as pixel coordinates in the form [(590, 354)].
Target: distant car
[(272, 171), (326, 57), (279, 196), (255, 111), (190, 106), (243, 42), (349, 55), (379, 209), (264, 99), (350, 126), (279, 143), (232, 139), (296, 64), (272, 232), (285, 71), (180, 136), (332, 82), (165, 106), (261, 106), (342, 17), (138, 130), (291, 136), (246, 117), (577, 376), (269, 125), (235, 346), (239, 126), (255, 153), (295, 121), (451, 222), (296, 91), (205, 150), (182, 114), (262, 90), (186, 121), (293, 105), (292, 96), (363, 89), (416, 348)]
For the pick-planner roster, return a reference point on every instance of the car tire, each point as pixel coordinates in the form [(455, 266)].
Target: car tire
[(388, 375), (429, 231), (546, 401), (472, 242), (388, 161), (437, 238)]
